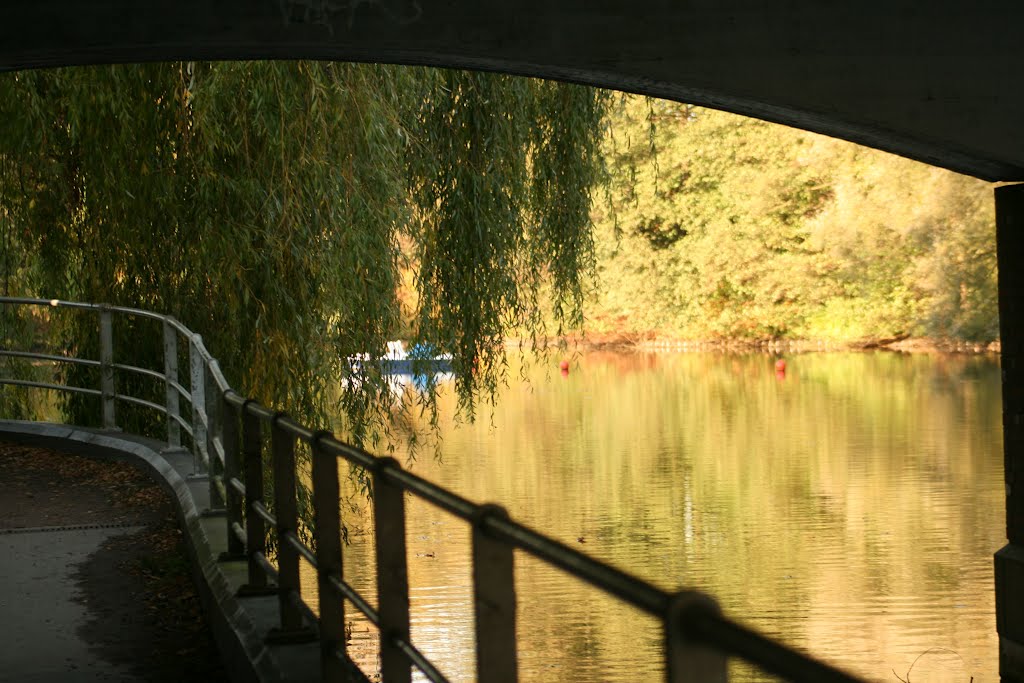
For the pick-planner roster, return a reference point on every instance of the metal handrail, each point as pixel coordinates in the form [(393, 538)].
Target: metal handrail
[(49, 357), (139, 371), (139, 402), (231, 431), (182, 391), (53, 387), (194, 395)]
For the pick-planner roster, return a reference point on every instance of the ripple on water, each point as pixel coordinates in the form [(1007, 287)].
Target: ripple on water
[(851, 512)]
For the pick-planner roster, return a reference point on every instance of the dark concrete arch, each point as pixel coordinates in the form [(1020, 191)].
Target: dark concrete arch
[(937, 81)]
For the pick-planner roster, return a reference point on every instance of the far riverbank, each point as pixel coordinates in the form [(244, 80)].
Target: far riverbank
[(654, 343)]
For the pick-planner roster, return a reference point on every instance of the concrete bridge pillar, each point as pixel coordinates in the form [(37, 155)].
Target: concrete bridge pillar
[(1009, 562)]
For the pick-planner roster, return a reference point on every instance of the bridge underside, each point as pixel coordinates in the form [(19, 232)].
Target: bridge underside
[(938, 82)]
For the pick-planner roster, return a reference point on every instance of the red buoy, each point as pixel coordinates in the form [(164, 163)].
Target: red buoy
[(564, 366), (780, 365)]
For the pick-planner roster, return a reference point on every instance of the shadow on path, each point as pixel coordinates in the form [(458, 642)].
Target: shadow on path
[(97, 583)]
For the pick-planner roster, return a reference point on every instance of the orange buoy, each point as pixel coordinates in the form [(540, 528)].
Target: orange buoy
[(564, 366), (780, 365)]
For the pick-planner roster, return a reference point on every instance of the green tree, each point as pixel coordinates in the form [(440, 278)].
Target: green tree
[(264, 205), (725, 227)]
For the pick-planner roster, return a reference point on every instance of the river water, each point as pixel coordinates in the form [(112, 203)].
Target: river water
[(849, 507)]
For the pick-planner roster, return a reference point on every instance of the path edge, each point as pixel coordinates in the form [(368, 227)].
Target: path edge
[(239, 625)]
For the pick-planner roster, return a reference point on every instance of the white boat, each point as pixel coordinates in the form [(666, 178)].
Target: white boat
[(420, 360)]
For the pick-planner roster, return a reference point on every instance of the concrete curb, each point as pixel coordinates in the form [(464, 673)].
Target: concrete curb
[(240, 624)]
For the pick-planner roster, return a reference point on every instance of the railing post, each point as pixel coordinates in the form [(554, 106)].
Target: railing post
[(494, 599), (282, 447), (327, 532), (108, 389), (686, 659), (229, 437), (213, 434), (392, 573), (170, 392), (255, 531), (197, 390)]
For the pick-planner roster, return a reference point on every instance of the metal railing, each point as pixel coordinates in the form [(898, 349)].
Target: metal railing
[(229, 434)]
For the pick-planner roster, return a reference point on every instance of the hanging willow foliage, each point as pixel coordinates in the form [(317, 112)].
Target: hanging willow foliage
[(264, 205)]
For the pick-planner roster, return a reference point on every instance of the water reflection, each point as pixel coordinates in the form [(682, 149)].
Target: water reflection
[(851, 509)]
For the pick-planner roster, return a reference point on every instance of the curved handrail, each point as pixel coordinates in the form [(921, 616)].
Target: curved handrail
[(229, 434)]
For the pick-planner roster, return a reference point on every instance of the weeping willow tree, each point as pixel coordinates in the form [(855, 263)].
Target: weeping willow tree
[(273, 207)]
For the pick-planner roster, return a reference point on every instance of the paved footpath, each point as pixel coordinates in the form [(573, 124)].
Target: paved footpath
[(94, 584)]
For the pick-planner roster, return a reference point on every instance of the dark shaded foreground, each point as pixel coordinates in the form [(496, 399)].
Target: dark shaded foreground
[(112, 533)]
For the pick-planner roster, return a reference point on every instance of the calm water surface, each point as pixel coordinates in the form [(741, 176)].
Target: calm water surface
[(850, 508)]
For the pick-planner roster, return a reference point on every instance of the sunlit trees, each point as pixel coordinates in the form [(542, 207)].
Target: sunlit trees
[(264, 203), (296, 213), (736, 228)]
